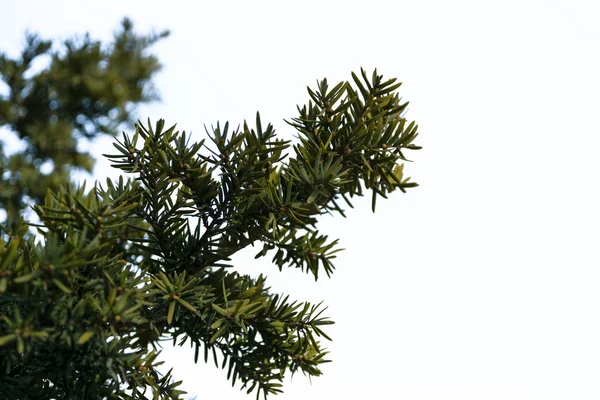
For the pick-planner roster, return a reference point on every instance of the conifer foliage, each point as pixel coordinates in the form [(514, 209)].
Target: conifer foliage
[(133, 262), (85, 89)]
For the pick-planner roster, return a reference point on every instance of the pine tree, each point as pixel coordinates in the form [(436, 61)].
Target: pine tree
[(129, 263)]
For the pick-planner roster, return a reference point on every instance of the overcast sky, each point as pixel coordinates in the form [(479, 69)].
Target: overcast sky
[(482, 283)]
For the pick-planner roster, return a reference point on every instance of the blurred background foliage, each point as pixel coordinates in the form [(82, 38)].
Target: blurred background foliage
[(86, 88)]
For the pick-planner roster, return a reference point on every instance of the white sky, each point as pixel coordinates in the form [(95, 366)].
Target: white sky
[(483, 283)]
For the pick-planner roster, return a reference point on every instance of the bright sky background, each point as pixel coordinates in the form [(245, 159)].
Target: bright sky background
[(484, 282)]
